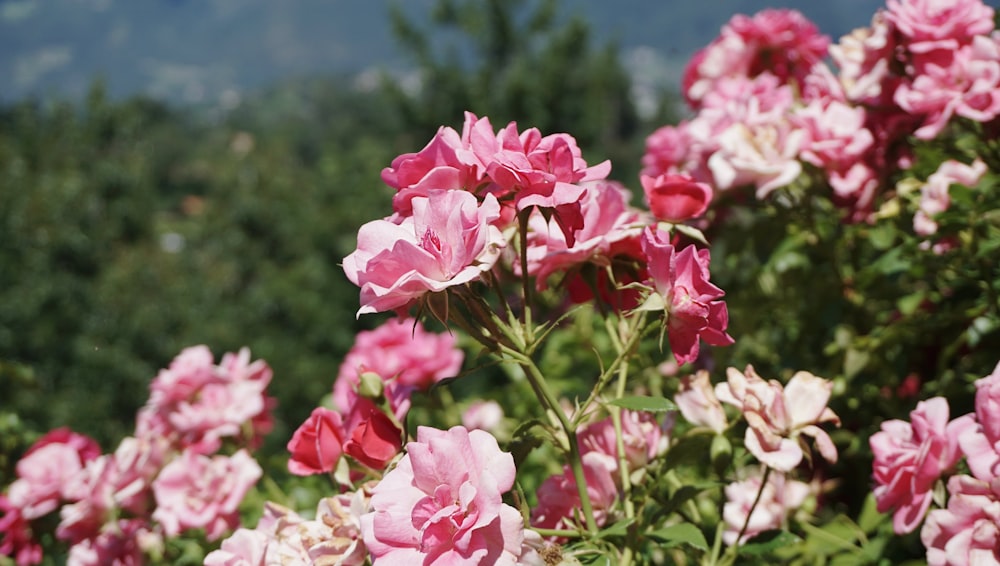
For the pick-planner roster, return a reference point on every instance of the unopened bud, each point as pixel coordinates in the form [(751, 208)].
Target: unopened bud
[(371, 385)]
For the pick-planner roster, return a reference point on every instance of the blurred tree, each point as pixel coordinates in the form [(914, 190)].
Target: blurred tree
[(519, 60)]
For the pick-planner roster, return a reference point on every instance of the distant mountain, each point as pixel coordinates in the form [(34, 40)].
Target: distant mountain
[(215, 50)]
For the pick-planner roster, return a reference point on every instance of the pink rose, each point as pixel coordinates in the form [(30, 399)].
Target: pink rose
[(968, 530), (934, 194), (644, 437), (245, 547), (317, 444), (450, 240), (559, 500), (436, 166), (195, 403), (442, 503), (863, 58), (198, 492), (406, 356), (50, 462), (483, 415), (697, 401), (122, 543), (682, 289), (609, 227), (933, 24), (981, 444), (675, 198), (780, 496), (911, 456), (779, 416)]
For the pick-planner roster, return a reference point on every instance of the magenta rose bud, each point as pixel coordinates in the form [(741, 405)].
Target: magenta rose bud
[(675, 198)]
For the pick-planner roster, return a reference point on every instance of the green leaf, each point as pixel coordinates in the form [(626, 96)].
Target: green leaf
[(768, 541), (691, 232), (643, 403), (684, 533), (870, 518)]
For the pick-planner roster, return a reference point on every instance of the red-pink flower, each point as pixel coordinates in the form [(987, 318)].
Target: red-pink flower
[(200, 492), (682, 289), (436, 166), (442, 503), (780, 497), (406, 356), (317, 444), (675, 197), (911, 456), (16, 538), (450, 240), (778, 417), (122, 543), (968, 530), (644, 437), (374, 438)]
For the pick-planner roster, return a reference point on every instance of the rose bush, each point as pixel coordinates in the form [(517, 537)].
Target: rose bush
[(851, 216)]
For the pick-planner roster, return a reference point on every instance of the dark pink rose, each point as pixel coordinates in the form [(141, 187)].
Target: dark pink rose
[(317, 444), (675, 198)]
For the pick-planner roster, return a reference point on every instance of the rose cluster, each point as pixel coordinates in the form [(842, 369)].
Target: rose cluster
[(187, 468), (916, 458), (769, 111)]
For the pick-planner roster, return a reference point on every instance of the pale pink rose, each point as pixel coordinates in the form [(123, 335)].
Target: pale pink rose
[(443, 503), (196, 404), (864, 58), (763, 156), (981, 444), (644, 436), (968, 530), (198, 492), (781, 497), (938, 24), (836, 137), (483, 415), (697, 401), (406, 356), (559, 500), (118, 544), (964, 82), (934, 194), (245, 547), (911, 456), (109, 484), (778, 417), (672, 149), (450, 240), (682, 289), (610, 227), (780, 42), (50, 462)]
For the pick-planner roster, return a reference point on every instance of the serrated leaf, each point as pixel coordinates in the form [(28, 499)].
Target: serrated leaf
[(684, 533), (768, 541), (643, 403)]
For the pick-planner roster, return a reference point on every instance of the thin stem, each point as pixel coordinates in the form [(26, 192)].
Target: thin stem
[(548, 399), (557, 533), (522, 231), (746, 524)]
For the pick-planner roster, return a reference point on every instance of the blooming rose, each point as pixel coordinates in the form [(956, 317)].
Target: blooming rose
[(16, 538), (483, 415), (196, 403), (932, 24), (911, 456), (934, 194), (780, 496), (676, 198), (682, 289), (697, 401), (442, 503), (981, 444), (50, 463), (317, 444), (779, 416), (122, 543), (436, 166), (968, 530), (559, 500), (198, 492), (406, 356), (372, 438), (644, 437), (450, 240)]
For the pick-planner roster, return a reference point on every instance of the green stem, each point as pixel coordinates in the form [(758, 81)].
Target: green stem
[(731, 552), (557, 533), (522, 231), (550, 401)]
